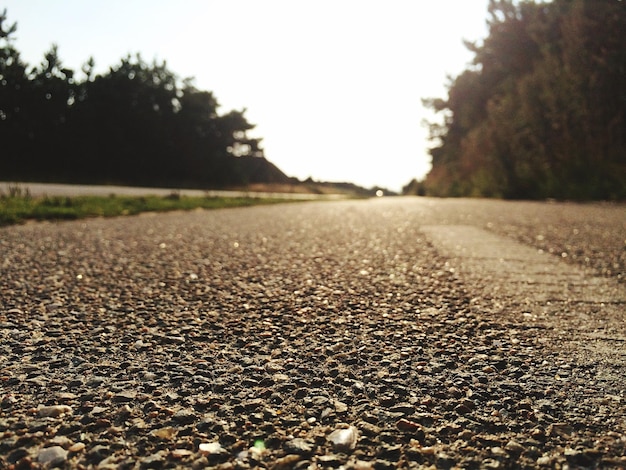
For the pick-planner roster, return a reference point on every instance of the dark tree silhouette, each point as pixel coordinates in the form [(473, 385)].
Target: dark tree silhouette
[(135, 124)]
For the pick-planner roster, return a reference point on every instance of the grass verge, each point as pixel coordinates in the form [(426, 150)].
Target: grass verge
[(18, 205)]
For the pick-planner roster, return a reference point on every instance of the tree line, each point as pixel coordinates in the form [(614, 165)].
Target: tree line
[(541, 111), (136, 124)]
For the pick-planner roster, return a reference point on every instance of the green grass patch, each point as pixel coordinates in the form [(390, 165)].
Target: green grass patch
[(18, 206)]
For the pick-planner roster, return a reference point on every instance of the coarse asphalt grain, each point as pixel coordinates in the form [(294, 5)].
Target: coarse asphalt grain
[(309, 335)]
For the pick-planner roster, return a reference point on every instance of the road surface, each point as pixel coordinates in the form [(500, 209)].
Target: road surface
[(385, 333)]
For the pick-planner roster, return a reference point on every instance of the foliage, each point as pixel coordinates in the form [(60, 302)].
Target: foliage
[(541, 113), (18, 206), (136, 124), (414, 188)]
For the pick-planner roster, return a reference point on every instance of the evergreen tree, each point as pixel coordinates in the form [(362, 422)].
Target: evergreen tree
[(136, 124)]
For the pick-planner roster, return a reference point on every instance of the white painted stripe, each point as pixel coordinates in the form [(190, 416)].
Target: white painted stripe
[(510, 271), (519, 285)]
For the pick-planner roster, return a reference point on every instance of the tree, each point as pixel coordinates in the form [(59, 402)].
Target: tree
[(14, 86), (541, 112), (135, 124)]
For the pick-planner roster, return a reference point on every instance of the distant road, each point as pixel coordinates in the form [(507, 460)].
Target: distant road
[(46, 189)]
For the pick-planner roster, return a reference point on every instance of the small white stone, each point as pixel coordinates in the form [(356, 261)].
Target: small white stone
[(52, 455), (210, 448), (344, 440)]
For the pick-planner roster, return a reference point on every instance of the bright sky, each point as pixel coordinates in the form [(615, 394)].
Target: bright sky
[(334, 86)]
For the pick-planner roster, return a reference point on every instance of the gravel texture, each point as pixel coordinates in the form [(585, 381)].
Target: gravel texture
[(314, 335)]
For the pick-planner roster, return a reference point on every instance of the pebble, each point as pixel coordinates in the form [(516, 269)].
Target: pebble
[(77, 447), (124, 397), (340, 407), (544, 461), (211, 448), (53, 410), (124, 412), (165, 434), (404, 408), (560, 429), (98, 410), (409, 426), (514, 447), (299, 446), (181, 453), (287, 462), (344, 440), (184, 417), (51, 456), (369, 429)]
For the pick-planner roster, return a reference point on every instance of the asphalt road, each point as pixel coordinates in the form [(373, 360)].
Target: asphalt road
[(385, 333)]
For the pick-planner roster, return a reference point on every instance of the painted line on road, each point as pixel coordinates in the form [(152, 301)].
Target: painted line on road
[(518, 272), (531, 286)]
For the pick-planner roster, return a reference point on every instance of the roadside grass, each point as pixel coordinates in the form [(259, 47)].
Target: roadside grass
[(17, 205)]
